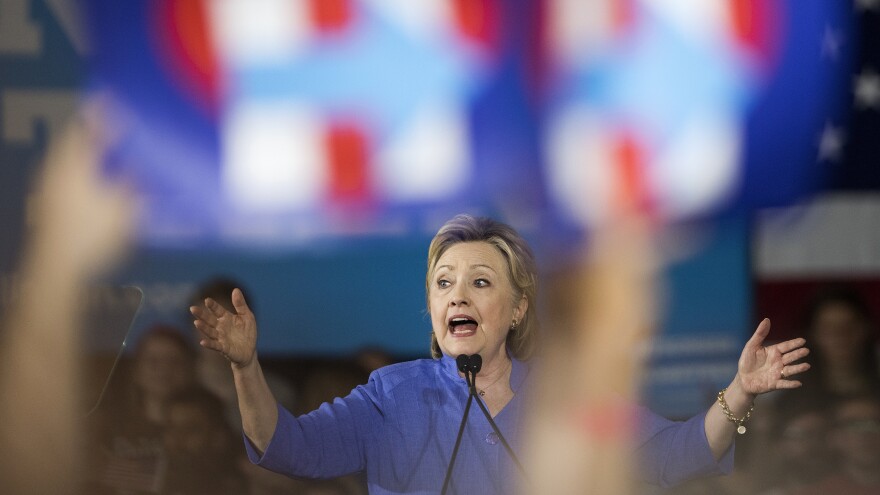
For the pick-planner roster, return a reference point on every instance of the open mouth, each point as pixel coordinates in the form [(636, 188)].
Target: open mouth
[(462, 326)]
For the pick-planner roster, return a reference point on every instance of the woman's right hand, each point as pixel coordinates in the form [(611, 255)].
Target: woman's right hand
[(232, 334)]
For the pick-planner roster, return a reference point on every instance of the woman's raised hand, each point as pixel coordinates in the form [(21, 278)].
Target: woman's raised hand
[(233, 334), (764, 369)]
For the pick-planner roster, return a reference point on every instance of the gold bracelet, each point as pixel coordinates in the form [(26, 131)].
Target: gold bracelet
[(726, 409)]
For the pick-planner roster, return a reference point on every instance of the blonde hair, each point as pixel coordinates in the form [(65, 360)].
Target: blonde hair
[(521, 272)]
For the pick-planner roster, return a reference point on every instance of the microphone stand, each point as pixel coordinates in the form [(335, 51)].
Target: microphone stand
[(463, 362), (476, 362)]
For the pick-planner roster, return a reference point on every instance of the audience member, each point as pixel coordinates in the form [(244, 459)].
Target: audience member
[(797, 454), (839, 326), (130, 433), (78, 227), (855, 441), (841, 332), (201, 447)]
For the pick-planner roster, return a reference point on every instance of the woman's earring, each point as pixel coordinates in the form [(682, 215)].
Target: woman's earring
[(513, 324)]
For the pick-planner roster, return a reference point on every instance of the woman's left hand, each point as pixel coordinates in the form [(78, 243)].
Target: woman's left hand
[(764, 369)]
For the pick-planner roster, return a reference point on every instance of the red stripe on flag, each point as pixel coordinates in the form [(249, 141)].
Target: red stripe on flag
[(347, 150)]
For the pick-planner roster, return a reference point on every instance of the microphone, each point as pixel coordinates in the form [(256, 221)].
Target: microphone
[(470, 366), (475, 364), (464, 363)]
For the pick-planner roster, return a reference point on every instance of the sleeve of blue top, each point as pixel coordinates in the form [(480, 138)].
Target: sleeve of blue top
[(327, 442), (671, 452)]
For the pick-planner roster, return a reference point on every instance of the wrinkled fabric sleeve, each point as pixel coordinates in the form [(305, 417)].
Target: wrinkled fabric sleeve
[(330, 441), (671, 452)]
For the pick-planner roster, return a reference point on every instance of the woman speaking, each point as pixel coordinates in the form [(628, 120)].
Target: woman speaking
[(400, 428)]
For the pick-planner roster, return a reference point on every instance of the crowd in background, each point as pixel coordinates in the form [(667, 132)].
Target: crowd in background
[(825, 436), (170, 422)]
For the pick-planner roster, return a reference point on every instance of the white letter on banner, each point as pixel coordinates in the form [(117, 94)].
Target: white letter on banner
[(19, 35), (24, 108)]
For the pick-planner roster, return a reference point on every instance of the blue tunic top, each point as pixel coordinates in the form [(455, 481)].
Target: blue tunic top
[(400, 428)]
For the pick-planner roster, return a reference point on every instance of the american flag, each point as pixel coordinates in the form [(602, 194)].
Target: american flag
[(830, 241), (851, 148)]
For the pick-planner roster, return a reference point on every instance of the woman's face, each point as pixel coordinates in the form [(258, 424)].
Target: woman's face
[(163, 368), (839, 333), (471, 301)]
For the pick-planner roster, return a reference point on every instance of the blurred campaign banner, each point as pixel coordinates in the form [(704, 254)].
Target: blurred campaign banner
[(284, 120), (679, 109), (277, 120)]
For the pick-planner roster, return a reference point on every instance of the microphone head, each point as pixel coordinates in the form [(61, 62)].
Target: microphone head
[(463, 362), (476, 363)]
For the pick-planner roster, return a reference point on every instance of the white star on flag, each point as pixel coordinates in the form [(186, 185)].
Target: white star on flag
[(867, 90), (866, 5), (831, 143)]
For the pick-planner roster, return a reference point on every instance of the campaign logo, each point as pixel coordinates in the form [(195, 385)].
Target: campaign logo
[(648, 100), (334, 103)]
